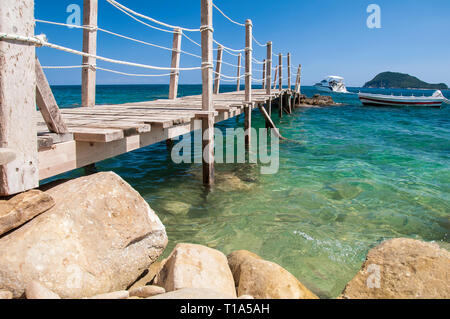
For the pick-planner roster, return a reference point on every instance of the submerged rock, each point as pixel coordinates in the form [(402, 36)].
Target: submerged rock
[(263, 279), (195, 266), (22, 208), (98, 238), (177, 208), (402, 268)]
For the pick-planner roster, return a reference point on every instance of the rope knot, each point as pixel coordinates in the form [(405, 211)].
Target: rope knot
[(206, 28), (41, 39)]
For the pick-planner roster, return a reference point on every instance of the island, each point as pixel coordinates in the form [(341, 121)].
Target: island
[(391, 80)]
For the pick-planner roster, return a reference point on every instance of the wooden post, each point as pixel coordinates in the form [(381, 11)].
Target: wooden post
[(280, 72), (289, 71), (218, 70), (299, 78), (207, 91), (90, 8), (18, 131), (175, 75), (248, 82), (239, 73), (269, 68), (275, 78), (264, 75), (248, 60), (47, 104)]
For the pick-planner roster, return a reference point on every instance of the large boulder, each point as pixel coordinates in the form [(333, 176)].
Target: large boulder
[(98, 238), (195, 266), (23, 207), (402, 268), (264, 279)]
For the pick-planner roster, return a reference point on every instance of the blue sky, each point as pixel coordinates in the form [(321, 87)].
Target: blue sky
[(326, 37)]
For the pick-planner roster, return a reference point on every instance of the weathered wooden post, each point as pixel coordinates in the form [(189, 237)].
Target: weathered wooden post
[(18, 132), (264, 75), (207, 91), (218, 69), (275, 78), (269, 68), (239, 73), (289, 94), (90, 9), (299, 78), (248, 81), (175, 74), (289, 71), (280, 72), (280, 83)]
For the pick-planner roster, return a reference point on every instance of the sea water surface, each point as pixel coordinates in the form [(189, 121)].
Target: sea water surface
[(362, 175)]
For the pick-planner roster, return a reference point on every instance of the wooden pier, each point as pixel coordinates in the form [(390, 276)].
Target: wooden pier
[(52, 141)]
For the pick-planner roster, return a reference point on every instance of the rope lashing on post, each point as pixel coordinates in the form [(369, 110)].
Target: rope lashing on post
[(42, 41), (118, 5), (118, 35)]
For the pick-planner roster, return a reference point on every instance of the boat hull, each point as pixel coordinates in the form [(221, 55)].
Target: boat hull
[(383, 100)]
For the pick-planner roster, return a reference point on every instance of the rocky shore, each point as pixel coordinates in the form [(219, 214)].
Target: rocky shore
[(316, 101), (95, 237)]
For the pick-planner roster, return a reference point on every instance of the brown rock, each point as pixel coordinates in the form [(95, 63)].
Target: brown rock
[(195, 266), (147, 291), (148, 275), (402, 268), (35, 290), (194, 293), (265, 280), (98, 238), (5, 294), (23, 207)]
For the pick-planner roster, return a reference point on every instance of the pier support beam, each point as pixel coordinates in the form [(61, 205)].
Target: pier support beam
[(88, 83), (175, 75), (269, 69), (275, 78), (18, 131), (218, 70), (248, 82), (207, 92), (239, 73)]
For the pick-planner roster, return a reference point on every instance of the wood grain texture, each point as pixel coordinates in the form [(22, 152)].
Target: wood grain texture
[(18, 130), (88, 79), (175, 75), (47, 104)]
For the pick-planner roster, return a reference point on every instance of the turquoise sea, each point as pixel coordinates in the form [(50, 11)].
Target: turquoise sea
[(362, 175)]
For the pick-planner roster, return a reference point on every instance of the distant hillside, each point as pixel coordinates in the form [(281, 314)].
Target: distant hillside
[(391, 80)]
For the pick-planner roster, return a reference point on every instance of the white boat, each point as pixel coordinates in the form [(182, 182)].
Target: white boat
[(332, 83), (436, 100)]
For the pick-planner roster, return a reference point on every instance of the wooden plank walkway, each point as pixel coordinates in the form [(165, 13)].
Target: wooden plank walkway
[(104, 131)]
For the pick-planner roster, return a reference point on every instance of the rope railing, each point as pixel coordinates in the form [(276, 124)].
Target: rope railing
[(227, 17), (41, 41), (124, 8), (117, 35)]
